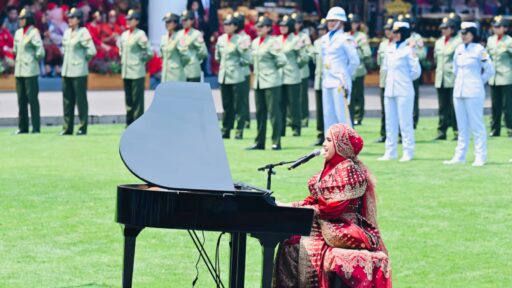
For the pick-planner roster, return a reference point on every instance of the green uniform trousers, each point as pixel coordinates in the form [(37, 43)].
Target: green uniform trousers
[(382, 114), (290, 104), (134, 99), (268, 101), (501, 96), (446, 111), (319, 115), (304, 102), (416, 109), (356, 106), (195, 79), (74, 90), (244, 93), (27, 89), (234, 104)]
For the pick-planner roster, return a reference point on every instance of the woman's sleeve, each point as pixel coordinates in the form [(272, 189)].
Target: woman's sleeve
[(488, 69), (414, 63), (331, 209)]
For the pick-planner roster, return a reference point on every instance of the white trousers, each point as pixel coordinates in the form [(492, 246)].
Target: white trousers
[(335, 108), (470, 118), (399, 116)]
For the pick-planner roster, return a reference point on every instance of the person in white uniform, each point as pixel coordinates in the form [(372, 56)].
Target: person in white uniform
[(340, 60), (472, 68), (402, 67)]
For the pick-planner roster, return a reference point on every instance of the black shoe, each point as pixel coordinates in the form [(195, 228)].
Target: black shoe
[(276, 147), (36, 131), (81, 133), (357, 122), (63, 133), (381, 140), (296, 133), (318, 142), (455, 138), (239, 136), (440, 137), (400, 140), (255, 147), (225, 134), (247, 125), (17, 132), (494, 134)]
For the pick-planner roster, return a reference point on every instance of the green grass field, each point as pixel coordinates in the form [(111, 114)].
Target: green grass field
[(443, 226)]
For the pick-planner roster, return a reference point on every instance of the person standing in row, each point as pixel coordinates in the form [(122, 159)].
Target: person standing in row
[(28, 48), (245, 88), (364, 53), (192, 40), (340, 61), (443, 55), (500, 49), (135, 51), (472, 67), (387, 41), (268, 58), (232, 55), (402, 67), (174, 57), (304, 70), (421, 51), (290, 94), (78, 50), (317, 58)]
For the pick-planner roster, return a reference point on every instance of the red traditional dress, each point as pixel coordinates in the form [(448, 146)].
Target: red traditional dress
[(343, 198)]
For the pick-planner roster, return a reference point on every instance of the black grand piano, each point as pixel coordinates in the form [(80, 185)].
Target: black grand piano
[(177, 150)]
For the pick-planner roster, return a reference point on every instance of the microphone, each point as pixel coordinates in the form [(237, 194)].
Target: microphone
[(305, 159)]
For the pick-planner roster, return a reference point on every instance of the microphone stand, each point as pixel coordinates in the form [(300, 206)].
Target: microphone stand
[(270, 171)]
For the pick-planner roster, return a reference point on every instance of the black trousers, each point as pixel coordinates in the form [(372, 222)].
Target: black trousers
[(74, 90), (319, 115), (356, 106), (27, 89), (268, 101), (382, 114), (233, 102), (195, 79), (501, 97), (416, 109), (446, 110), (134, 99), (290, 104)]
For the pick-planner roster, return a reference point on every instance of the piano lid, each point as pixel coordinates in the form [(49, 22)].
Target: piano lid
[(176, 143)]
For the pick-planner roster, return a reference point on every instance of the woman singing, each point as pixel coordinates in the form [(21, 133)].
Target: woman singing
[(344, 238)]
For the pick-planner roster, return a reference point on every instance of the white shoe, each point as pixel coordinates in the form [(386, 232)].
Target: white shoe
[(405, 158), (386, 158), (478, 163), (454, 162)]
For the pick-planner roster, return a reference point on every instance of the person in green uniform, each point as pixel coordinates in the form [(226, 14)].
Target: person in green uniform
[(245, 88), (386, 42), (500, 49), (317, 58), (304, 70), (193, 41), (174, 57), (78, 50), (268, 58), (232, 55), (290, 94), (135, 51), (356, 105), (28, 48), (421, 52), (444, 50)]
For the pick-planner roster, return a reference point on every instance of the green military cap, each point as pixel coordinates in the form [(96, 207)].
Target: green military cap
[(75, 13), (354, 18), (297, 17), (24, 13), (498, 21), (171, 17), (240, 17), (230, 20), (447, 22), (286, 21), (322, 25), (264, 21), (187, 15), (132, 14), (389, 24)]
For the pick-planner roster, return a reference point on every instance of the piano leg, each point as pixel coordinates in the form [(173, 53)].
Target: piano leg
[(237, 263), (130, 235), (268, 243)]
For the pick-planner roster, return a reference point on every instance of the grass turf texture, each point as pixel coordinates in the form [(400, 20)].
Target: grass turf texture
[(444, 226)]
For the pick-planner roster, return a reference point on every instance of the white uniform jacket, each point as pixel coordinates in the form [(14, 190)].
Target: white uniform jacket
[(340, 60), (472, 67), (402, 67)]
